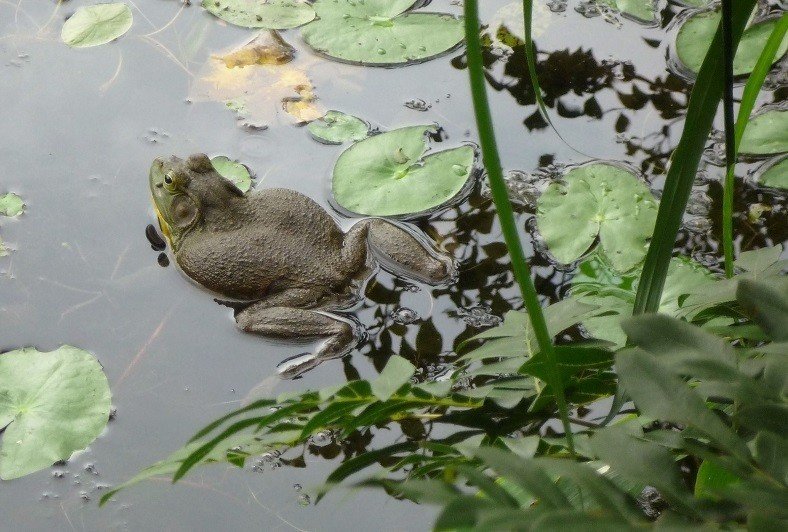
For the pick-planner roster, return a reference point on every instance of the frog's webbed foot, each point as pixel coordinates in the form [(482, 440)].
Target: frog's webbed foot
[(397, 247), (300, 323)]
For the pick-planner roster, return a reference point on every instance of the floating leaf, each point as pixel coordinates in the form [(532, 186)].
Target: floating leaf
[(234, 171), (695, 35), (776, 174), (596, 283), (766, 133), (11, 205), (95, 25), (270, 14), (643, 10), (267, 48), (51, 404), (598, 199), (380, 32), (389, 174), (337, 127)]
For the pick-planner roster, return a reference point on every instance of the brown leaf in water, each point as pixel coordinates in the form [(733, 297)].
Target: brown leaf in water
[(262, 95), (267, 48)]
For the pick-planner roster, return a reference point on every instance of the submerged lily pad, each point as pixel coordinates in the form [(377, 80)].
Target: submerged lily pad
[(337, 127), (380, 32), (598, 199), (51, 405), (766, 133), (596, 283), (642, 10), (270, 14), (696, 34), (11, 205), (233, 171), (389, 174), (776, 174), (95, 25)]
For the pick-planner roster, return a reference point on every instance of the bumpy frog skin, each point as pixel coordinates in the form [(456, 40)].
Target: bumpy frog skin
[(280, 253)]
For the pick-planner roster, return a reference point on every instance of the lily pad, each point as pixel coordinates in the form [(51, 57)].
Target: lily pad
[(95, 25), (596, 283), (389, 174), (696, 34), (776, 174), (233, 171), (642, 10), (336, 127), (270, 14), (380, 32), (11, 205), (766, 133), (602, 200), (51, 405)]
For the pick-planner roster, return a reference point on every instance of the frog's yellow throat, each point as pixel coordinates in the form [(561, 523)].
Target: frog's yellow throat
[(165, 227)]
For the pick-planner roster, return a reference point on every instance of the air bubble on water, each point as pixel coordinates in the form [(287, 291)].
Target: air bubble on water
[(322, 438), (304, 500), (417, 104), (557, 6), (84, 495), (381, 51), (405, 315), (297, 487), (479, 316)]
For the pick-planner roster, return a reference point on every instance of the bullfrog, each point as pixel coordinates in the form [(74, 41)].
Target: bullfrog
[(277, 257)]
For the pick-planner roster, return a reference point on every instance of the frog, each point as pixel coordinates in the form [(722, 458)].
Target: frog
[(280, 259)]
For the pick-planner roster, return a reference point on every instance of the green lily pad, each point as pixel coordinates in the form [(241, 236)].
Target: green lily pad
[(380, 32), (389, 174), (776, 174), (696, 34), (51, 405), (234, 171), (598, 199), (337, 127), (95, 25), (270, 14), (766, 133), (11, 205), (642, 10), (596, 283)]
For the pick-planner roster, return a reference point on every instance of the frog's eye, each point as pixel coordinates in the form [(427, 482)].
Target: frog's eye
[(169, 181)]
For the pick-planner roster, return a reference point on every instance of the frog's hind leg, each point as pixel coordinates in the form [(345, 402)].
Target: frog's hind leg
[(290, 322), (397, 247)]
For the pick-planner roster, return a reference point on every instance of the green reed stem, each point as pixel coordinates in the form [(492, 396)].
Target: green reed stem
[(500, 196), (702, 108), (748, 99), (730, 143)]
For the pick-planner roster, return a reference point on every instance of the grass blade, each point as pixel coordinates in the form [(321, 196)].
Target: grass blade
[(701, 111), (727, 106), (500, 195), (750, 94)]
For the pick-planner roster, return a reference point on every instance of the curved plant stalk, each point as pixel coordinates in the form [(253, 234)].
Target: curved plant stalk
[(530, 60), (701, 111), (501, 198), (750, 94)]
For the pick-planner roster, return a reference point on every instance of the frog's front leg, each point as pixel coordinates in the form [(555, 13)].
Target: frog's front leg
[(283, 315)]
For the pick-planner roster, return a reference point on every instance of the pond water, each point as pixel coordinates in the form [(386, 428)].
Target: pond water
[(79, 131)]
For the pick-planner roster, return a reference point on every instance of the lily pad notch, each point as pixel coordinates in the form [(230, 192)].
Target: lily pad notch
[(392, 174)]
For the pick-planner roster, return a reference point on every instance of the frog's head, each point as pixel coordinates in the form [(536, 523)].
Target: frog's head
[(186, 192)]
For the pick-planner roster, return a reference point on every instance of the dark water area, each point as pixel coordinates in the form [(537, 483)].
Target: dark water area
[(79, 130)]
